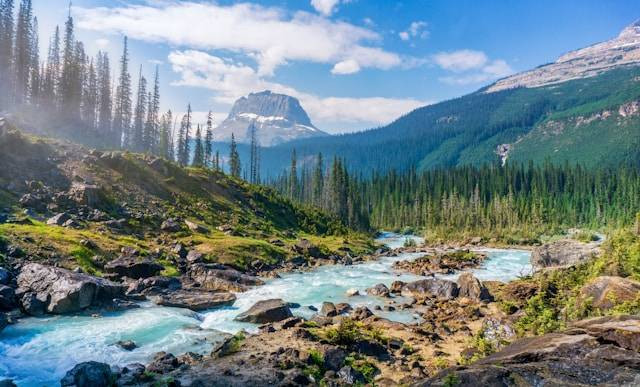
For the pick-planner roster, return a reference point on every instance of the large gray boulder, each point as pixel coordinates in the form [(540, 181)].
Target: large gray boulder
[(471, 287), (89, 374), (266, 311), (605, 292), (563, 253), (222, 279), (431, 287), (61, 291)]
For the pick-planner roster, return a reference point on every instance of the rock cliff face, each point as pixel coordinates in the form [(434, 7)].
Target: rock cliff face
[(277, 118), (586, 62)]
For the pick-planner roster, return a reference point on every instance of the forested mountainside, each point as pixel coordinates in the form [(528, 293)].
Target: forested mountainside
[(593, 121)]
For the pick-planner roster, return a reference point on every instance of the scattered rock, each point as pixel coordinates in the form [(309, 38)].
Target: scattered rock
[(163, 363), (306, 248), (195, 300), (352, 292), (86, 194), (380, 290), (7, 298), (170, 225), (562, 253), (361, 313), (219, 278), (334, 358), (3, 321), (195, 256), (328, 309), (180, 250), (265, 312), (471, 287), (348, 375), (89, 374), (59, 219), (606, 292), (439, 288), (195, 227), (5, 276), (396, 286)]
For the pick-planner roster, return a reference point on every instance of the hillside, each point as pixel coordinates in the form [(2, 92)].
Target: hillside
[(583, 108), (63, 204)]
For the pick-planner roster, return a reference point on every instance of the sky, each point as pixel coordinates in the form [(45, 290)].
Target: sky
[(353, 64)]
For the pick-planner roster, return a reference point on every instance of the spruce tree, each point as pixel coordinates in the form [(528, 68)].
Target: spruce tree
[(151, 127), (90, 98), (234, 158), (6, 50), (140, 113), (293, 176), (164, 142), (23, 54), (198, 152), (104, 102), (318, 181), (208, 141), (52, 71), (253, 163), (123, 110), (35, 81)]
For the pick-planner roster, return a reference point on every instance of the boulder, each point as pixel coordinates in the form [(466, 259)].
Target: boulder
[(349, 376), (471, 287), (7, 383), (163, 363), (306, 248), (195, 227), (194, 256), (180, 250), (59, 219), (563, 253), (170, 225), (195, 300), (62, 291), (432, 287), (89, 374), (601, 351), (361, 313), (7, 297), (396, 286), (605, 292), (380, 290), (334, 358), (328, 309), (219, 278), (133, 267), (3, 321), (5, 276), (352, 292), (266, 311), (127, 345), (86, 194)]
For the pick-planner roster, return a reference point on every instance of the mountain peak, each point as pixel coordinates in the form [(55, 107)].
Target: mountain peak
[(622, 50), (277, 118)]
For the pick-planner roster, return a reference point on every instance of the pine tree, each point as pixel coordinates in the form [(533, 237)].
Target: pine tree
[(90, 98), (217, 162), (35, 81), (293, 176), (198, 152), (184, 137), (104, 101), (23, 53), (153, 110), (70, 87), (253, 164), (123, 110), (140, 113), (208, 141), (318, 182), (6, 50), (234, 158), (164, 142), (52, 71)]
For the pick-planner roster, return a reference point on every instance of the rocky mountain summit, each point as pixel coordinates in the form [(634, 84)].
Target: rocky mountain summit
[(277, 118), (586, 62)]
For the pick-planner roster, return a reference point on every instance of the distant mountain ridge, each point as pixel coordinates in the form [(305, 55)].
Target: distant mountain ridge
[(584, 108), (278, 118)]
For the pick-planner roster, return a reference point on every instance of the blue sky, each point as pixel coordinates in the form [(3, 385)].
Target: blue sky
[(354, 64)]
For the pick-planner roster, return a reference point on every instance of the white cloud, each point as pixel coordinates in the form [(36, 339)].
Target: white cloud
[(470, 67), (416, 29), (102, 43), (348, 66), (325, 7), (460, 60), (231, 80), (269, 35)]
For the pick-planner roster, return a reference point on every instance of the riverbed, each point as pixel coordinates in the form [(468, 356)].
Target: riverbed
[(39, 351)]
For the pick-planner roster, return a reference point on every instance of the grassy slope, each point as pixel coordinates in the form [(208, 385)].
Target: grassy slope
[(152, 191)]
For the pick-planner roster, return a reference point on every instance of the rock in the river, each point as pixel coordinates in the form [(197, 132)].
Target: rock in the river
[(195, 300), (439, 288), (361, 313), (127, 345), (89, 374), (265, 312), (606, 292), (162, 363), (7, 297), (219, 278), (133, 267), (471, 287), (352, 292), (601, 351), (62, 291), (396, 286), (7, 383), (380, 290), (562, 253), (5, 276)]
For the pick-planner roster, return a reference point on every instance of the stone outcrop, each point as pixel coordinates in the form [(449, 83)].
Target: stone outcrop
[(266, 311), (54, 290), (471, 287), (432, 287), (605, 292), (222, 279), (563, 253), (380, 290), (600, 351), (89, 374)]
